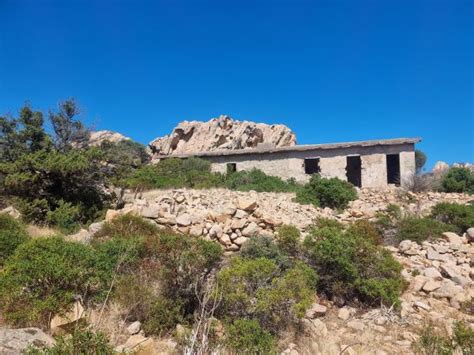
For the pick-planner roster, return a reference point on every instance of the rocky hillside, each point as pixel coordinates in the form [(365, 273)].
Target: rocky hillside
[(220, 133)]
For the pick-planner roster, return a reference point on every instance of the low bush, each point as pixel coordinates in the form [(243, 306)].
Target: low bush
[(461, 217), (419, 229), (183, 262), (246, 336), (135, 294), (65, 217), (42, 277), (333, 193), (364, 228), (164, 315), (81, 342), (264, 247), (458, 180), (127, 226), (352, 266), (12, 234), (258, 181), (174, 173), (288, 239), (389, 217), (433, 341), (34, 211), (259, 289)]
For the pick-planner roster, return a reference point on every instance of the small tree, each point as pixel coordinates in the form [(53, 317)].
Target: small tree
[(420, 160)]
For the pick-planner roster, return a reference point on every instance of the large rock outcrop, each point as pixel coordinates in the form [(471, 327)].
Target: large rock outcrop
[(222, 133), (97, 137)]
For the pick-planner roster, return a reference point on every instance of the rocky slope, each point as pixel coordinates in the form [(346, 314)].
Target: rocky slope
[(220, 133), (230, 217)]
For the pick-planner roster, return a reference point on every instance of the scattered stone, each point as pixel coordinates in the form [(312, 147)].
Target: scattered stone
[(432, 273), (250, 230), (316, 310), (63, 324), (470, 234), (184, 220), (356, 325), (246, 204), (431, 285), (344, 314), (16, 341), (422, 305), (134, 328)]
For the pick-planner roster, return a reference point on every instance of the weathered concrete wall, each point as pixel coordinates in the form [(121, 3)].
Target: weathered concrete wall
[(407, 168), (374, 170), (333, 167), (332, 163)]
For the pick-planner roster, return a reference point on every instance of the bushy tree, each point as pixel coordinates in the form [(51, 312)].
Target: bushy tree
[(420, 160), (42, 171), (458, 180)]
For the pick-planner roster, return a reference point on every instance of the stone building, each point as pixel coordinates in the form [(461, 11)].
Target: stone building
[(374, 163)]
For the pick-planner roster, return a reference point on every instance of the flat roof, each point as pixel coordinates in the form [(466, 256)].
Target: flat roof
[(264, 149)]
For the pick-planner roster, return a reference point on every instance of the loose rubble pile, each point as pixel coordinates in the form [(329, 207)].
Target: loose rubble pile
[(231, 217)]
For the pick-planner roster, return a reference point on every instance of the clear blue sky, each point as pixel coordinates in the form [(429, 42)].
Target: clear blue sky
[(331, 70)]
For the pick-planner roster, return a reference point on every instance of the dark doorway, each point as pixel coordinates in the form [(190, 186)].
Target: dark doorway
[(354, 170), (311, 166), (393, 169), (231, 168)]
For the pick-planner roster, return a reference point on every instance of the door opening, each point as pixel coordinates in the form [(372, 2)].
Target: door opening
[(311, 166), (393, 169), (354, 170), (231, 168)]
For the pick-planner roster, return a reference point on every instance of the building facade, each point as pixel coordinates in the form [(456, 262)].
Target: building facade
[(374, 163)]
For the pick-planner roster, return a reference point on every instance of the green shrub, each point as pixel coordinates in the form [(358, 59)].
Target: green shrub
[(389, 217), (323, 222), (82, 341), (174, 173), (419, 229), (463, 338), (65, 217), (135, 294), (353, 266), (34, 211), (245, 336), (165, 314), (12, 234), (263, 247), (127, 226), (42, 277), (288, 239), (258, 181), (183, 261), (458, 180), (258, 289), (454, 214), (432, 341), (332, 193), (364, 228)]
